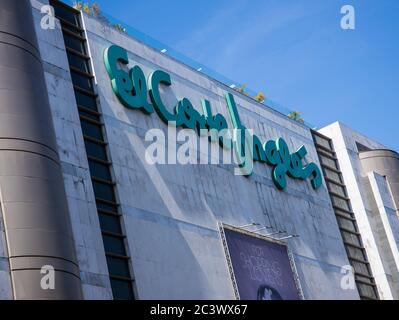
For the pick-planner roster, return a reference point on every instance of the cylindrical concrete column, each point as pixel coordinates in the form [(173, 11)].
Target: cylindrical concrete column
[(32, 194), (385, 163)]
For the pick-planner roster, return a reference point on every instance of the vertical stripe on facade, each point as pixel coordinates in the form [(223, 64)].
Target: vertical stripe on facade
[(94, 135), (345, 217)]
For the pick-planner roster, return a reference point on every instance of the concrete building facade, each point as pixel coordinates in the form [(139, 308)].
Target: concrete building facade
[(145, 231), (370, 172)]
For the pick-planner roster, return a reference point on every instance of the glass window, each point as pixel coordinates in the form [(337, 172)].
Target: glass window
[(343, 213), (91, 129), (99, 170), (361, 147), (347, 224), (95, 150), (360, 267), (122, 290), (74, 43), (104, 191), (341, 203), (89, 115), (114, 245), (336, 189), (328, 161), (364, 279), (81, 81), (106, 206), (351, 238), (78, 62), (366, 290), (323, 142), (73, 29), (118, 267), (85, 100), (326, 153), (66, 15), (356, 253), (332, 175), (110, 223)]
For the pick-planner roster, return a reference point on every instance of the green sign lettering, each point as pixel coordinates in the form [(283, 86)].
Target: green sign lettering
[(131, 90)]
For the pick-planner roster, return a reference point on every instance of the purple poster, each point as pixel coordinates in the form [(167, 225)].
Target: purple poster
[(262, 268)]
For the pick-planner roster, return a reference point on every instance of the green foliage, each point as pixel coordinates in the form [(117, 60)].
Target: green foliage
[(260, 97), (296, 115), (78, 5), (119, 28), (242, 89), (94, 10), (86, 8)]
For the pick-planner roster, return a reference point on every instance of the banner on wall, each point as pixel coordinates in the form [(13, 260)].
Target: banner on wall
[(261, 269)]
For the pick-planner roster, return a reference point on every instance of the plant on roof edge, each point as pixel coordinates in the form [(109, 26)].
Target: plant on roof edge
[(95, 9), (260, 97), (119, 28), (296, 115), (86, 8), (78, 5), (242, 89)]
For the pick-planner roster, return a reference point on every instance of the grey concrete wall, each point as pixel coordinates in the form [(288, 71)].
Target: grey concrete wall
[(5, 275), (75, 169), (171, 211), (36, 219), (385, 163)]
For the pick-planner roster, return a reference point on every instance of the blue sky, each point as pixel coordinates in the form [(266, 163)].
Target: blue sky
[(293, 50)]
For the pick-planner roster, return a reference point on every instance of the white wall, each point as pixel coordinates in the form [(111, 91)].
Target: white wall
[(171, 212), (372, 206)]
